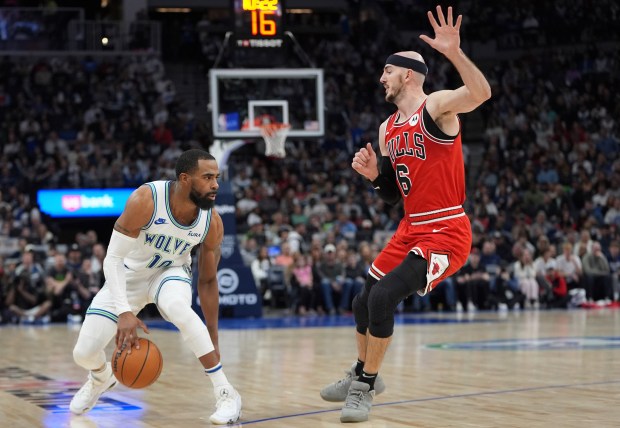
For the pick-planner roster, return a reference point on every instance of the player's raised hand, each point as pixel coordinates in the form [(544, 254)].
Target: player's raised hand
[(447, 39), (365, 162)]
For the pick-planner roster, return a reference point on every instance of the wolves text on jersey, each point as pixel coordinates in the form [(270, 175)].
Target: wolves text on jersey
[(167, 244)]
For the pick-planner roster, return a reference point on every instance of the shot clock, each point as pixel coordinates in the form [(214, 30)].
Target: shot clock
[(258, 23)]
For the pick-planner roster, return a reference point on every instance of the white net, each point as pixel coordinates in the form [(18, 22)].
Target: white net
[(274, 135)]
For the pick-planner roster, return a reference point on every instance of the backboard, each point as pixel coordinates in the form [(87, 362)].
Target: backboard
[(242, 99)]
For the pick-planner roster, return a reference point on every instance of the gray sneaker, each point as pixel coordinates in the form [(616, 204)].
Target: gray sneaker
[(337, 391), (359, 401)]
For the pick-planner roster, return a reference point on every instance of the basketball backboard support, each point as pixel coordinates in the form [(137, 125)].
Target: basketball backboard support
[(242, 99)]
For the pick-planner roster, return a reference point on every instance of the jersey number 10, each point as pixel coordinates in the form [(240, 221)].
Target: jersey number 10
[(155, 262)]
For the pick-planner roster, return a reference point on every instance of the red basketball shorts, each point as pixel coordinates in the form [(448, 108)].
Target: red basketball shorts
[(444, 243)]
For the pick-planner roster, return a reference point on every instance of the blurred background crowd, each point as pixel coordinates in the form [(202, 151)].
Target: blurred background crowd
[(542, 161)]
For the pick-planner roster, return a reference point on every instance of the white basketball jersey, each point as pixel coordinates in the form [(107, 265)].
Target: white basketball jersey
[(164, 242)]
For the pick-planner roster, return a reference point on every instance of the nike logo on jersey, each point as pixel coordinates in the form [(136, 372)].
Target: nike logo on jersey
[(438, 230), (160, 221)]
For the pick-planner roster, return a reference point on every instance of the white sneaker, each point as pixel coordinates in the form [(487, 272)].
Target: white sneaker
[(227, 407), (89, 393)]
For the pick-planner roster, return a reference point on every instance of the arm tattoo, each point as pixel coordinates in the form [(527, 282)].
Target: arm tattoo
[(121, 229)]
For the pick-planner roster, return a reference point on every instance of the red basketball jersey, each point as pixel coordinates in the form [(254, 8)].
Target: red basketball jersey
[(429, 169)]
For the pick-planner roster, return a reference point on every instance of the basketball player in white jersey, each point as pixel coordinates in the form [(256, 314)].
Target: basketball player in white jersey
[(148, 261)]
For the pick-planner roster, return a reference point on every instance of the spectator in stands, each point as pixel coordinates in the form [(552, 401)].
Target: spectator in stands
[(332, 273), (473, 283), (302, 281), (544, 263), (558, 297), (354, 278), (614, 265), (597, 275), (525, 274), (491, 262), (260, 269), (60, 288), (25, 297), (74, 258), (569, 266), (87, 283)]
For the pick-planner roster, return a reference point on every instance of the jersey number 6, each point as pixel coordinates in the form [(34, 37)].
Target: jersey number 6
[(402, 175)]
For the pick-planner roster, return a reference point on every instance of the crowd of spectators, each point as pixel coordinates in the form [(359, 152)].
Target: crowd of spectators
[(545, 208)]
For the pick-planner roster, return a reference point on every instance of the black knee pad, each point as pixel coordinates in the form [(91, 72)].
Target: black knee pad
[(381, 306), (360, 306), (384, 297), (412, 274)]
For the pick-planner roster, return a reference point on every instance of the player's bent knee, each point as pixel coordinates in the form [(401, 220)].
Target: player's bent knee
[(410, 275), (360, 306), (95, 334), (88, 353), (192, 329), (404, 280), (381, 307)]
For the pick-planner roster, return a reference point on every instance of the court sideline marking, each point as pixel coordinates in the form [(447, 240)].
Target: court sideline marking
[(445, 397)]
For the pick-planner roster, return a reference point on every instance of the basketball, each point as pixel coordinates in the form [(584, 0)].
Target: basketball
[(140, 368)]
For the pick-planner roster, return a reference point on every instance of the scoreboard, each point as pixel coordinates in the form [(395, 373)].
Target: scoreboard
[(258, 23)]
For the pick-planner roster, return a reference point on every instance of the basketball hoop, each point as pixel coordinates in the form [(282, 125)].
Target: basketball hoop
[(274, 135)]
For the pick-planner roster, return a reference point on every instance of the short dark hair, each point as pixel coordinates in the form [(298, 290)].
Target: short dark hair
[(188, 161)]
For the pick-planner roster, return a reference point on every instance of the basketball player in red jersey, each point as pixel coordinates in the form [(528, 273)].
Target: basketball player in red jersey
[(422, 163)]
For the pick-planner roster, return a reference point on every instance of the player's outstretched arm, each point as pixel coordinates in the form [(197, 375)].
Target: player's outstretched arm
[(208, 292), (137, 213), (447, 41)]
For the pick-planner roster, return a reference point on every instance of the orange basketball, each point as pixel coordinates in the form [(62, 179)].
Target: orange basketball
[(140, 368)]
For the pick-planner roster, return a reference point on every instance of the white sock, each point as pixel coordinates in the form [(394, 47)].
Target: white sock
[(217, 376), (101, 375)]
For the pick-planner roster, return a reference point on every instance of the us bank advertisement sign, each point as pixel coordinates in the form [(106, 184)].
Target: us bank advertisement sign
[(61, 203)]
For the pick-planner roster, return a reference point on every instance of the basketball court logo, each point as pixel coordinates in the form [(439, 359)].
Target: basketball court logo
[(542, 344)]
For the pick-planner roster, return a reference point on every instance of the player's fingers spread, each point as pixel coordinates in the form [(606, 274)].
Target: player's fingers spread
[(431, 19), (425, 38), (449, 16), (459, 19), (440, 16)]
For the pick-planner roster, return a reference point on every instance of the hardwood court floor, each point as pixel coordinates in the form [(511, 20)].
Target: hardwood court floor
[(516, 369)]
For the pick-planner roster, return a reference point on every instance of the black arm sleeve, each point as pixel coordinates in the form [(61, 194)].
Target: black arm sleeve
[(385, 184)]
